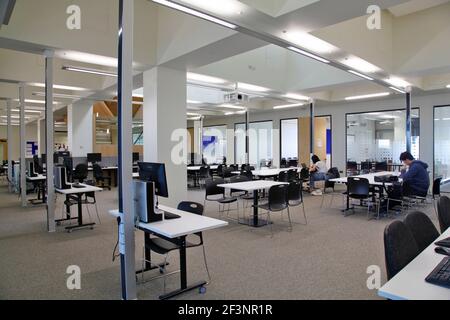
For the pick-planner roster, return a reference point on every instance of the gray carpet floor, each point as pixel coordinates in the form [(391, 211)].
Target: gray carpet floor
[(326, 259)]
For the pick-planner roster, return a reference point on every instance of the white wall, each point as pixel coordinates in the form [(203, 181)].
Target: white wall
[(338, 113), (31, 135)]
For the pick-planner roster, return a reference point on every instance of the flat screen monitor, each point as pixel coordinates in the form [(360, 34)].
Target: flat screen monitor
[(135, 157), (154, 172), (94, 157), (44, 158)]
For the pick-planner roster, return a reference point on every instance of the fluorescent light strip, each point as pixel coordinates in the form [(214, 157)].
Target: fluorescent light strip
[(397, 82), (195, 13), (230, 106), (288, 106), (202, 78), (360, 75), (448, 86), (367, 96), (26, 111), (251, 87), (58, 86), (305, 53), (296, 96), (89, 70), (398, 90), (194, 102), (58, 95)]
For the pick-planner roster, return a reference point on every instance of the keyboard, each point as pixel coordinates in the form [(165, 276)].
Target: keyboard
[(441, 274)]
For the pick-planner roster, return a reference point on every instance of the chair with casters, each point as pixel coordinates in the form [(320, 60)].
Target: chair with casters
[(443, 208), (400, 247), (277, 202), (100, 177), (359, 189), (81, 172), (422, 228), (295, 197), (164, 247), (214, 193)]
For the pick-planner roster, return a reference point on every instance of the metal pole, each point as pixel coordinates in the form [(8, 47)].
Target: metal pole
[(9, 137), (23, 180), (51, 227), (311, 129), (125, 120), (247, 137), (200, 138), (408, 120)]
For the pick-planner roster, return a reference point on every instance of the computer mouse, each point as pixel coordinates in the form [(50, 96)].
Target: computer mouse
[(442, 250)]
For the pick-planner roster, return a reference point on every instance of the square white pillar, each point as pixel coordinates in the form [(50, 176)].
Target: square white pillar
[(80, 125), (41, 136), (164, 125)]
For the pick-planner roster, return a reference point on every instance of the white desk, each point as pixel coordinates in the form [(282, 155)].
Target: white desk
[(410, 284), (76, 194), (264, 173), (197, 168), (175, 231), (40, 179), (369, 176), (253, 186)]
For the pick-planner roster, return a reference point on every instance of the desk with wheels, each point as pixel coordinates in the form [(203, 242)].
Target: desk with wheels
[(76, 194), (253, 186), (175, 231)]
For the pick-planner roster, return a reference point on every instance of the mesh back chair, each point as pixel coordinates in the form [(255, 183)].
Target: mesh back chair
[(400, 247), (359, 189), (81, 172), (277, 202), (217, 194), (292, 175), (381, 166), (283, 176), (443, 208), (164, 247), (295, 197), (100, 177), (422, 229)]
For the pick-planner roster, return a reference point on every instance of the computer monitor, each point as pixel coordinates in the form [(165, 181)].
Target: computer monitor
[(37, 165), (154, 172), (94, 157), (43, 159), (135, 157)]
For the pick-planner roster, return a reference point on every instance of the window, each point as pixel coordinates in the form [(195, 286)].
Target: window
[(380, 136), (214, 143), (289, 138), (442, 142), (260, 142)]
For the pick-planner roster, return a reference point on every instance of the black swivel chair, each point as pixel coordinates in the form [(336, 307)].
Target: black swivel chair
[(81, 172), (423, 230), (277, 202), (295, 197), (100, 177), (164, 247), (443, 208), (400, 247)]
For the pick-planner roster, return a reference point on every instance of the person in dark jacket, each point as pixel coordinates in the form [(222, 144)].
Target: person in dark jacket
[(417, 176)]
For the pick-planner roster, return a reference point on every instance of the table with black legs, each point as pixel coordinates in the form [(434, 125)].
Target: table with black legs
[(40, 180), (76, 194), (254, 186)]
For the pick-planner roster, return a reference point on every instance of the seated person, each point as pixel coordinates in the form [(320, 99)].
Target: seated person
[(416, 176), (317, 172)]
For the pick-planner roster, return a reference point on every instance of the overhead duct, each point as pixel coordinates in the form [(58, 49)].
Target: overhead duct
[(6, 10)]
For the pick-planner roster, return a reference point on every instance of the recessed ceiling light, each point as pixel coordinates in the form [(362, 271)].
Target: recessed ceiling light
[(289, 106), (89, 70), (196, 13), (397, 82), (251, 87), (296, 96), (398, 90), (203, 78), (360, 65), (367, 96), (305, 53), (360, 75)]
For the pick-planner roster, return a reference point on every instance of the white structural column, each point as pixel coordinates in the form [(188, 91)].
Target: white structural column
[(125, 121), (23, 146), (41, 136), (80, 128), (198, 140), (312, 116), (9, 137), (165, 127), (51, 225)]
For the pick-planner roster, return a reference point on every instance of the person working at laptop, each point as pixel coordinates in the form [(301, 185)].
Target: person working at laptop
[(317, 172), (416, 176)]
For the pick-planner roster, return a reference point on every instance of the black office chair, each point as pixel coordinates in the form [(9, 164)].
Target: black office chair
[(295, 197), (443, 208), (282, 176), (293, 163), (100, 177), (234, 167), (277, 202), (333, 173), (220, 170), (292, 175), (89, 199), (203, 174), (304, 175), (164, 247), (227, 173), (436, 192), (213, 190), (237, 179), (80, 173), (352, 168), (247, 173), (366, 167), (359, 189), (423, 230), (283, 163), (400, 247), (381, 166)]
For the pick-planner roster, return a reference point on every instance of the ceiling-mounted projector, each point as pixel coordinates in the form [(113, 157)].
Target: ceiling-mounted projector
[(236, 98)]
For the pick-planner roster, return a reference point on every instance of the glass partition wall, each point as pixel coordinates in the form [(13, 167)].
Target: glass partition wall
[(442, 142), (260, 143), (380, 137), (289, 138)]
